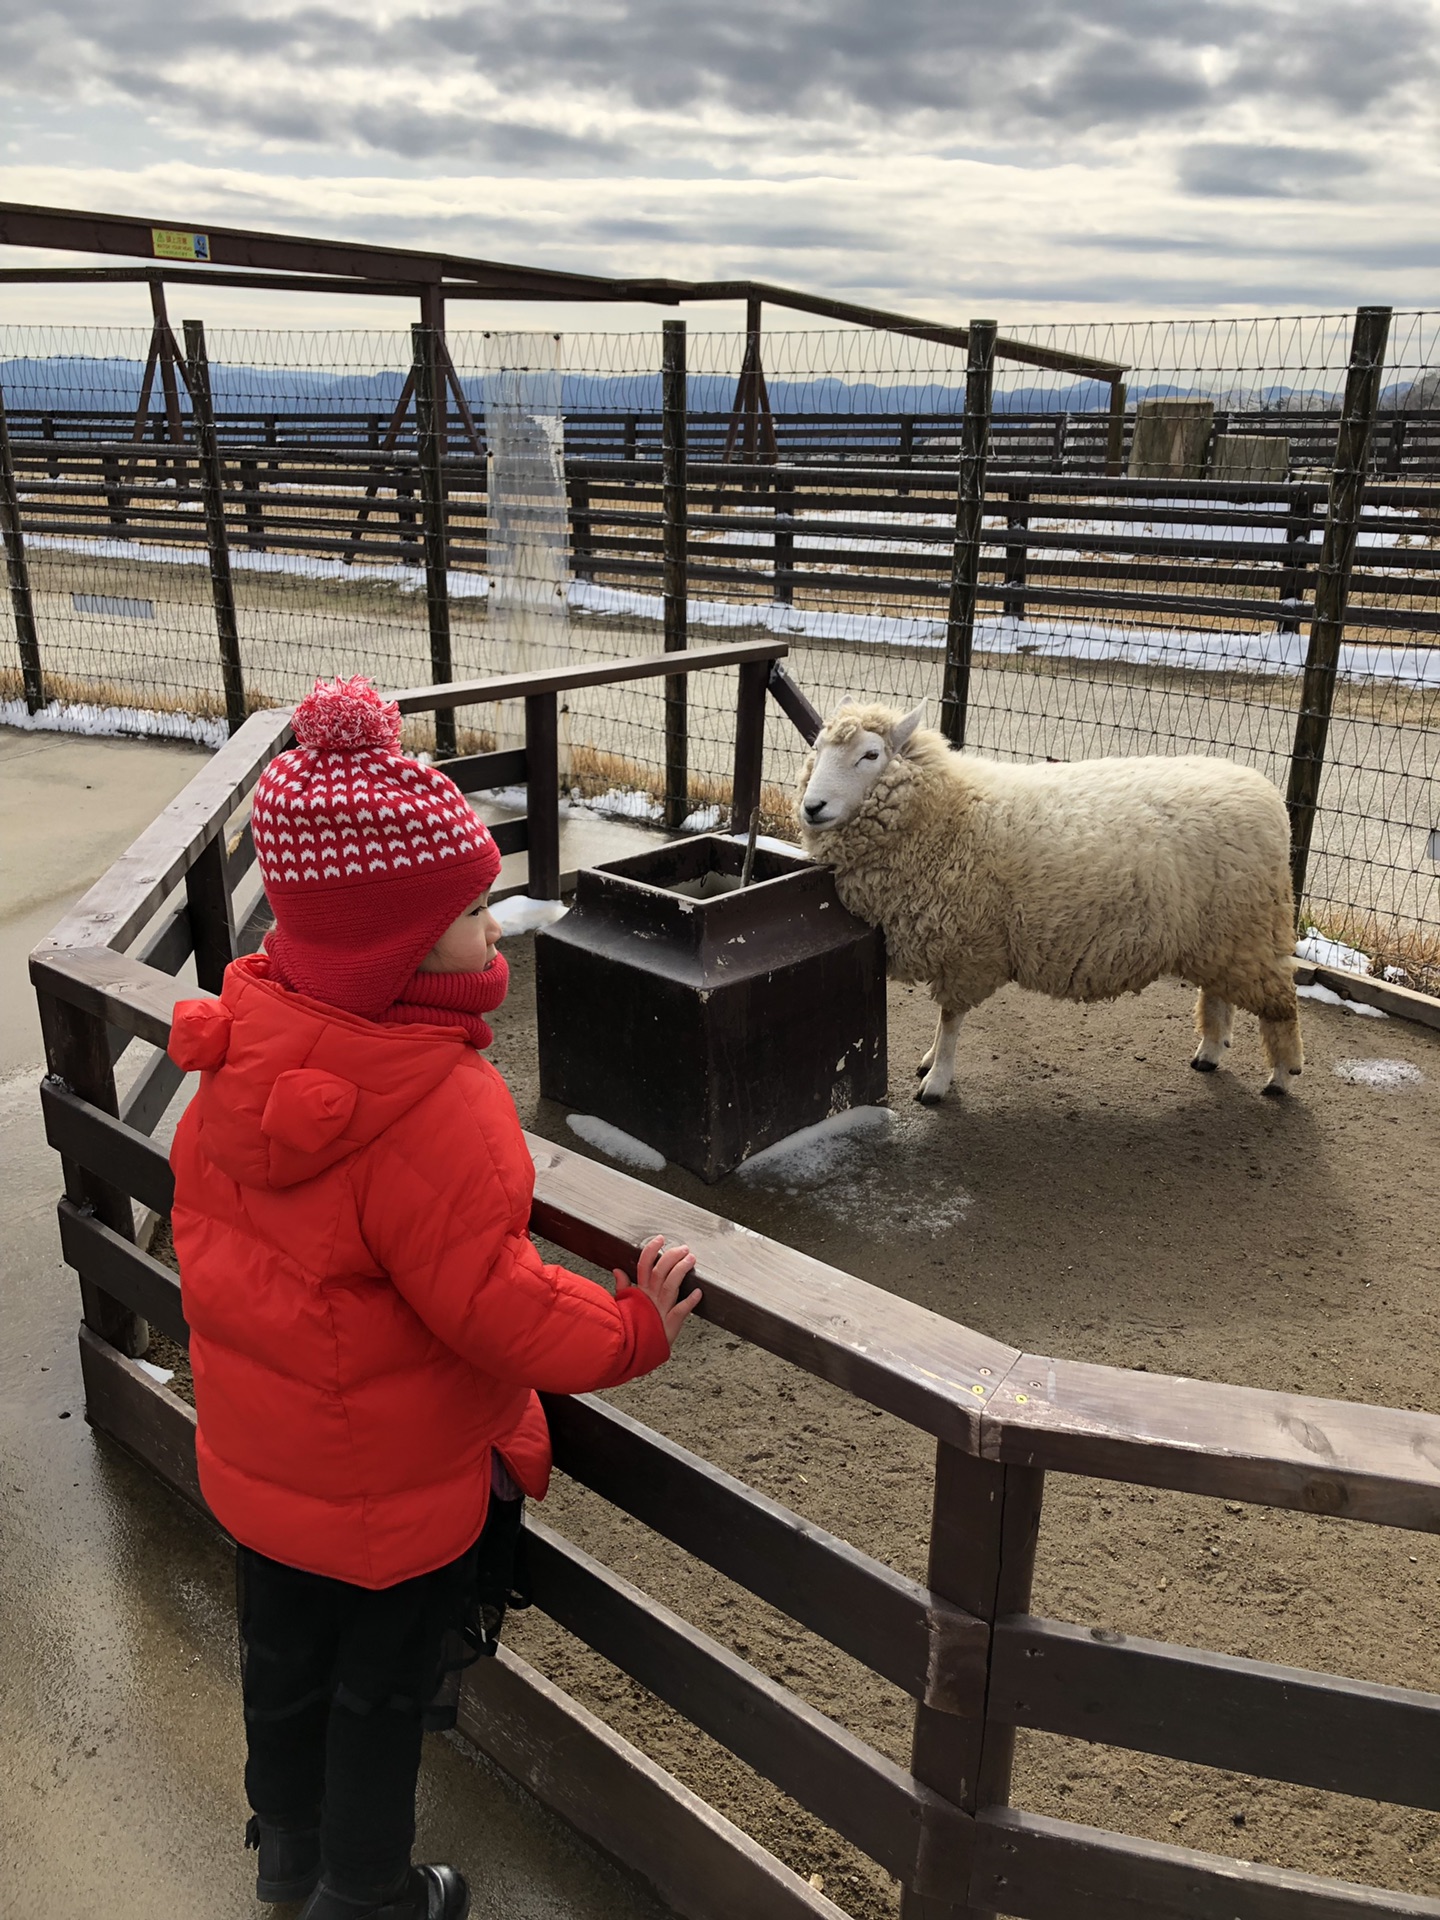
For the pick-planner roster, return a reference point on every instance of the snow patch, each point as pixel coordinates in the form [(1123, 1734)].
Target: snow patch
[(870, 1169), (816, 1154), (1329, 999), (1203, 650), (521, 914), (80, 717), (162, 1376), (1321, 951), (623, 1147), (1378, 1073), (703, 820), (625, 803)]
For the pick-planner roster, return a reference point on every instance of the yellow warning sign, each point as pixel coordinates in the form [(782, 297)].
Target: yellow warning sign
[(171, 245)]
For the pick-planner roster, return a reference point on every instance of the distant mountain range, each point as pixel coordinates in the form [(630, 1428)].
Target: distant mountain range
[(70, 382)]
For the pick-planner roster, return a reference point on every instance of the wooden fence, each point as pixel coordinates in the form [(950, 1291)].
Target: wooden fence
[(1245, 552), (1069, 442), (964, 1645)]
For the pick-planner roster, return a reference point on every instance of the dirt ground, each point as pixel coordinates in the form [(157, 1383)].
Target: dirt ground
[(1083, 1194)]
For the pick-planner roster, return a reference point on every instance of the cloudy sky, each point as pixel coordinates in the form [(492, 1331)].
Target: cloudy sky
[(1031, 158)]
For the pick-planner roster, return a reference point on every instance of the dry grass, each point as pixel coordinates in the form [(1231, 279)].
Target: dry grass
[(594, 772), (1409, 956)]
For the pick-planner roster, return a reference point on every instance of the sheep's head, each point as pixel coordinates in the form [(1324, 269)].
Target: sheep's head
[(852, 750)]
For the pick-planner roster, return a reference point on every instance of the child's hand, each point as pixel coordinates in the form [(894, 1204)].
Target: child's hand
[(660, 1274)]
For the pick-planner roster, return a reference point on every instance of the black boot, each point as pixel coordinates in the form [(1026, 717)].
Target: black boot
[(426, 1893), (289, 1863)]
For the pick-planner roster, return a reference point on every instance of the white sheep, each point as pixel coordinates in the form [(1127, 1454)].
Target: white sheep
[(1083, 880)]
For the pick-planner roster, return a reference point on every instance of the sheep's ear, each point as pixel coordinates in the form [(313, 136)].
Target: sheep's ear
[(851, 700), (900, 733)]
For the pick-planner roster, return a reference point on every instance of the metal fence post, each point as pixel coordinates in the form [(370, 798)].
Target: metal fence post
[(1332, 585), (676, 581), (22, 601), (212, 487), (983, 1533), (429, 399), (969, 513)]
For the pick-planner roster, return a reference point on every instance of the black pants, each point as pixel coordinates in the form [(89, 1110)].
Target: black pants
[(341, 1681)]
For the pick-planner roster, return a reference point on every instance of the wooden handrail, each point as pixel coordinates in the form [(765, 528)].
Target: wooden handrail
[(589, 673), (1378, 1464)]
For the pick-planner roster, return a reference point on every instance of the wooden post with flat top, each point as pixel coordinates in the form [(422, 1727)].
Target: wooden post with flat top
[(676, 571), (983, 1532), (969, 516), (1332, 585)]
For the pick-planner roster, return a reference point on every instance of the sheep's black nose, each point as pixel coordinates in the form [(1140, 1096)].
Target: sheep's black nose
[(814, 809)]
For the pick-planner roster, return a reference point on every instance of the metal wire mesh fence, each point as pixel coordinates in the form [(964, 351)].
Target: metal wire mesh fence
[(1138, 571)]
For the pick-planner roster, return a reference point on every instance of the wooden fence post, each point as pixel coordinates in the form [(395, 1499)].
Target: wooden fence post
[(582, 530), (969, 513), (749, 742), (1115, 436), (676, 575), (542, 795), (1298, 526), (77, 1053), (212, 487), (1017, 525), (784, 545), (428, 403), (22, 601), (1332, 586), (212, 921), (254, 507), (984, 1527)]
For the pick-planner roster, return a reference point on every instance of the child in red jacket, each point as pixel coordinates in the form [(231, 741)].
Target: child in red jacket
[(369, 1319)]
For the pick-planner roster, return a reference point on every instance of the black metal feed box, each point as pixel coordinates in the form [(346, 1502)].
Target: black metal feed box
[(707, 1020)]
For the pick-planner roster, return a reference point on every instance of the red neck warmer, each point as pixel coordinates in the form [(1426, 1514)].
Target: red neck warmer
[(452, 1000), (434, 999)]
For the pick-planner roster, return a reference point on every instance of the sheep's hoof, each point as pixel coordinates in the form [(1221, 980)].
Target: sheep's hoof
[(930, 1099), (923, 1068), (1202, 1065), (1275, 1089)]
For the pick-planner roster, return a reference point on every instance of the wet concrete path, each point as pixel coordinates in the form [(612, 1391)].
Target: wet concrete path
[(120, 1737)]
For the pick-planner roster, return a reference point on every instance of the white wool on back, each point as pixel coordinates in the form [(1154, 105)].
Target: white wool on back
[(1081, 880)]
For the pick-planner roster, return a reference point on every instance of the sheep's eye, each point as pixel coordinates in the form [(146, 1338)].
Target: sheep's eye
[(873, 754)]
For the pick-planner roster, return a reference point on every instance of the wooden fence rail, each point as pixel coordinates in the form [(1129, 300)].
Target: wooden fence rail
[(1069, 441), (965, 1646)]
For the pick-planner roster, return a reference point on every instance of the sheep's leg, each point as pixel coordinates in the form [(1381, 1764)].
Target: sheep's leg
[(1283, 1049), (931, 1052), (1214, 1020), (1272, 1000), (939, 1064)]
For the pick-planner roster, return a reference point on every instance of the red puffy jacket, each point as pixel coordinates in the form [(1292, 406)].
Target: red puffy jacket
[(368, 1316)]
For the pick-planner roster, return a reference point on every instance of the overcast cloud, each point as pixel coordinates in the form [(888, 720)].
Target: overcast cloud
[(1036, 153)]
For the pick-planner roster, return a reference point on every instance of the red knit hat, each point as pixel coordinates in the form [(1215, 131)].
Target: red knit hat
[(366, 855)]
